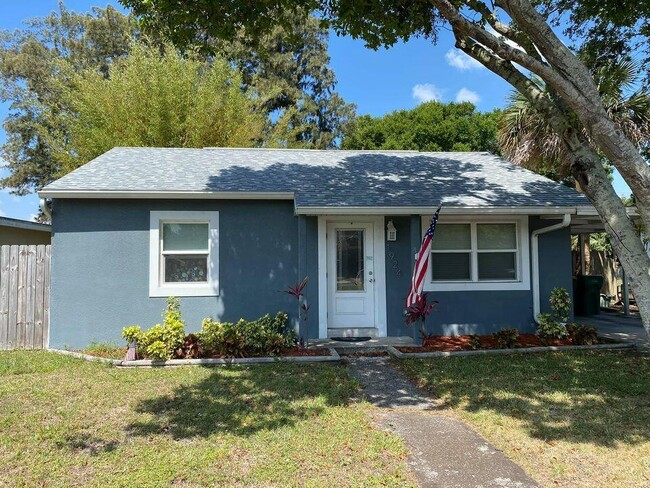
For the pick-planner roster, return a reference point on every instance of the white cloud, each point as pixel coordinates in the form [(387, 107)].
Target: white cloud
[(466, 95), (426, 92), (458, 59)]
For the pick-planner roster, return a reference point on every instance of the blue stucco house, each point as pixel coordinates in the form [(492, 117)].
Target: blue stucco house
[(225, 229)]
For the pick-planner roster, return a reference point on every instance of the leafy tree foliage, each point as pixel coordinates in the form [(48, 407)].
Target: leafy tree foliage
[(35, 65), (431, 126), (288, 68), (287, 76), (181, 102)]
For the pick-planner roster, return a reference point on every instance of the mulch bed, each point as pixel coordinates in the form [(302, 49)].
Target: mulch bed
[(462, 343)]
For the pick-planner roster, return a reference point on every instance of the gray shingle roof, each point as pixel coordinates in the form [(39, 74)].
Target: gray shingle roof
[(325, 178)]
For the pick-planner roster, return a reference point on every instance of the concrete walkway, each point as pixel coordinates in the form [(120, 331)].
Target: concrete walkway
[(619, 327), (444, 452)]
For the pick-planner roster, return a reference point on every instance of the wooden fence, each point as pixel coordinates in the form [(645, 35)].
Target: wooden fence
[(24, 297)]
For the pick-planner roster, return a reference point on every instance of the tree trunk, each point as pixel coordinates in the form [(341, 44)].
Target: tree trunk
[(586, 165), (589, 172)]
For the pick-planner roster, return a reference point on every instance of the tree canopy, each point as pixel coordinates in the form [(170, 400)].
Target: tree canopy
[(286, 76), (181, 102), (431, 126), (35, 66)]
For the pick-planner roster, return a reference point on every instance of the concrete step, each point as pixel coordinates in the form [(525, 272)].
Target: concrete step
[(353, 332)]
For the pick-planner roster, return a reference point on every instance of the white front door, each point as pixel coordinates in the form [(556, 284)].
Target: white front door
[(350, 274)]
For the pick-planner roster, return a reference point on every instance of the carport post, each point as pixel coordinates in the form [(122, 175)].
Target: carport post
[(626, 294)]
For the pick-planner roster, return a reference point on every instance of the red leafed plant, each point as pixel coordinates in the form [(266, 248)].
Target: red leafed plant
[(303, 307), (296, 290), (419, 311)]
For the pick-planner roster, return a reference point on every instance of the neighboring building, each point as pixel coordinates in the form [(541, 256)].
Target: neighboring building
[(225, 229), (15, 231)]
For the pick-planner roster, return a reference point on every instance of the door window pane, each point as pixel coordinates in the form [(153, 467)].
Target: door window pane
[(497, 266), (452, 237), (496, 236), (192, 268), (185, 237), (450, 266), (349, 260)]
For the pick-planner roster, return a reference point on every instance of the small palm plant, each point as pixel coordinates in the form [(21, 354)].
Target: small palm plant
[(296, 291), (418, 312)]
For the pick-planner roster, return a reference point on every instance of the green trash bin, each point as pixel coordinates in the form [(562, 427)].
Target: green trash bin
[(591, 294)]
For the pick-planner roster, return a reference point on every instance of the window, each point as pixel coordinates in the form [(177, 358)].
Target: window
[(184, 253), (479, 254)]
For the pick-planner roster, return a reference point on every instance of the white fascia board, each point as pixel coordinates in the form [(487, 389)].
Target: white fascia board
[(429, 210), (208, 195)]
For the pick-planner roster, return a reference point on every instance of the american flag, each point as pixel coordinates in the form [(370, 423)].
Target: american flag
[(422, 263)]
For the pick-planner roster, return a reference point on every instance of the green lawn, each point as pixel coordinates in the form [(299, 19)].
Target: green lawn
[(578, 419), (66, 422)]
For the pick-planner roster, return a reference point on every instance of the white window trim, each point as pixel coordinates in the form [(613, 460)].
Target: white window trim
[(523, 255), (156, 286)]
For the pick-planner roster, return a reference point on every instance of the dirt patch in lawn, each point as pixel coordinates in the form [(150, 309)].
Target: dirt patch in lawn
[(467, 343)]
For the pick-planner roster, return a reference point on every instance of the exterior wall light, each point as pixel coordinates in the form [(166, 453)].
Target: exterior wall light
[(391, 231)]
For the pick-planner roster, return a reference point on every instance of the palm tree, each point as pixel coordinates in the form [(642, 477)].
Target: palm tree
[(526, 139)]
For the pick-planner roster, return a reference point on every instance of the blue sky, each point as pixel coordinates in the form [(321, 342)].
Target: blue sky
[(378, 82)]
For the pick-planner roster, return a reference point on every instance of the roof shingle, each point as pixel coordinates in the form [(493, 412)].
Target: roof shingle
[(325, 178)]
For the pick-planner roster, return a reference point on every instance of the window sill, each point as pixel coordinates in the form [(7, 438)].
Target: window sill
[(202, 290), (478, 286)]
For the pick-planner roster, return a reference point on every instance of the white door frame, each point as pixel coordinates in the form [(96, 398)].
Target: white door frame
[(379, 261)]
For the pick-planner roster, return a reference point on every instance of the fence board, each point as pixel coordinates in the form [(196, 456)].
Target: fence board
[(46, 296), (38, 297), (4, 296), (24, 296)]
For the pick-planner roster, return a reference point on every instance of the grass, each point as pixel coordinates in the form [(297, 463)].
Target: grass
[(108, 350), (578, 419), (68, 422)]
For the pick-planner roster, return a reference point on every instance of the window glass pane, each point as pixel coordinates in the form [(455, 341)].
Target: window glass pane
[(450, 266), (452, 236), (349, 260), (185, 237), (497, 266), (496, 236), (186, 269)]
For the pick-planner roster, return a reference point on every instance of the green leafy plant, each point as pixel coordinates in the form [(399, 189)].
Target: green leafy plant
[(549, 328), (560, 301), (171, 334), (506, 338), (158, 351), (582, 335), (265, 336), (132, 334)]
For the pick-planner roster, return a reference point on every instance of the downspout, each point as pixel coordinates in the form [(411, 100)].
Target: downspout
[(534, 247), (45, 209)]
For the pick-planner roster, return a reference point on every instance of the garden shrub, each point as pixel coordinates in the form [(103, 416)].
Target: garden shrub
[(265, 336), (560, 301), (132, 334), (551, 325), (582, 335), (161, 341), (549, 328), (506, 338)]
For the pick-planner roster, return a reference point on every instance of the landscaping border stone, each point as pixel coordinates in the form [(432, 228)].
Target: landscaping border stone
[(523, 350), (87, 357), (148, 363)]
